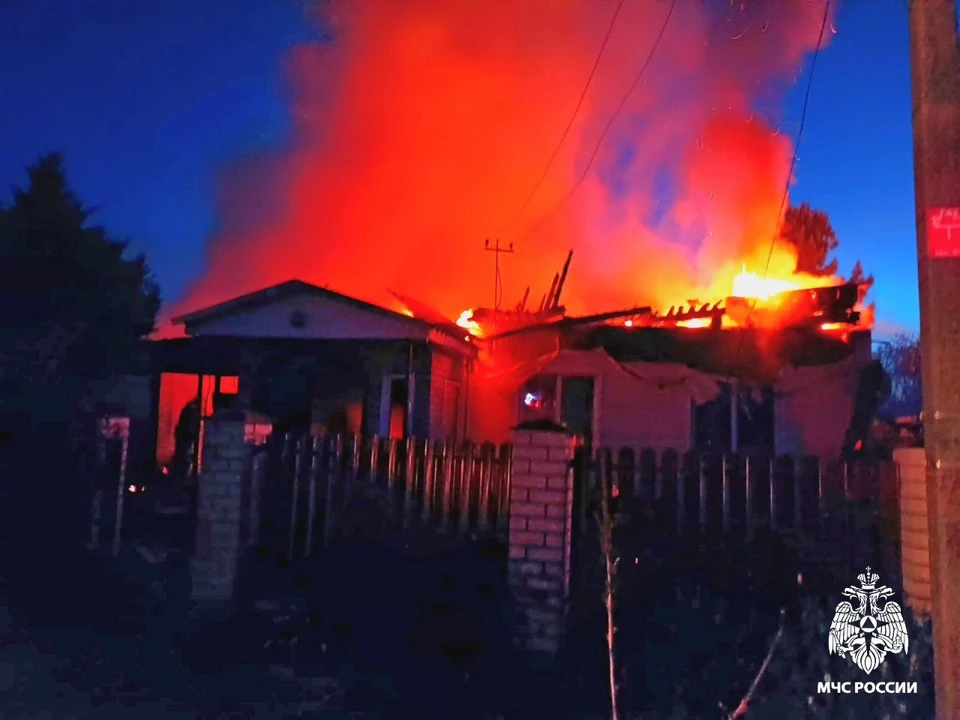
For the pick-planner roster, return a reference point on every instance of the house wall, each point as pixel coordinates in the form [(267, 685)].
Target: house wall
[(396, 361), (641, 415), (371, 346), (324, 318), (491, 412), (814, 405), (448, 395), (641, 405), (127, 395), (629, 411)]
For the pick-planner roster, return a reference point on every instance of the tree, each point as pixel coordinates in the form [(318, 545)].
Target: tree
[(901, 360), (811, 233), (71, 304), (72, 307)]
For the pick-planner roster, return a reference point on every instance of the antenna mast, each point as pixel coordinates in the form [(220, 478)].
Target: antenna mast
[(497, 284)]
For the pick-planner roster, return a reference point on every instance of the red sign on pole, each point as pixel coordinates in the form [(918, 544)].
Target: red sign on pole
[(943, 233)]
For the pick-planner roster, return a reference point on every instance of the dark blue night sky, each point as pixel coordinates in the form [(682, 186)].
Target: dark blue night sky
[(149, 99)]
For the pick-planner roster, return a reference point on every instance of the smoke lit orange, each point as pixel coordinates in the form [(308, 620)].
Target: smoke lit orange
[(420, 127)]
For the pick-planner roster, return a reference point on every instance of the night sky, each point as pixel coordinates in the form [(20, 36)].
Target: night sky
[(149, 99)]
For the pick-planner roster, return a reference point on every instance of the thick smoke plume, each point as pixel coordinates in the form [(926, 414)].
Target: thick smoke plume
[(421, 126)]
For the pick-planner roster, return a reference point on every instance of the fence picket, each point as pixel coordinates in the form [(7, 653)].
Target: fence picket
[(301, 449), (374, 472), (703, 469), (725, 502), (483, 469), (315, 459), (409, 481), (392, 467), (429, 478), (503, 469), (333, 479), (446, 480), (466, 487)]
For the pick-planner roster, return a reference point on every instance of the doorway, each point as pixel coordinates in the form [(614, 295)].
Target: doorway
[(394, 404), (577, 406)]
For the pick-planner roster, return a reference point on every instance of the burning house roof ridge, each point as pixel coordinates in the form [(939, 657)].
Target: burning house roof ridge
[(285, 289)]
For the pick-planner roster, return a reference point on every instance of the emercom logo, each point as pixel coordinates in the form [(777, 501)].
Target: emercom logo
[(866, 633)]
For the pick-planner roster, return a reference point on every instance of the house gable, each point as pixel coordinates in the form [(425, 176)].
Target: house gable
[(300, 310)]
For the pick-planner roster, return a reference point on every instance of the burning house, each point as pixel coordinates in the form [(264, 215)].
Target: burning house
[(299, 356), (773, 371), (774, 367)]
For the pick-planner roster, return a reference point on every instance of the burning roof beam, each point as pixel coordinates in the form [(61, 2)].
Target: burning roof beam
[(548, 304), (563, 279), (423, 311), (522, 305), (568, 322)]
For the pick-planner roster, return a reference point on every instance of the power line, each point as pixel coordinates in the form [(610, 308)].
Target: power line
[(566, 131), (793, 165), (497, 281), (603, 135)]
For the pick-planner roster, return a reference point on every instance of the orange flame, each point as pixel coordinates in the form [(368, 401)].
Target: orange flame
[(467, 322), (695, 323), (752, 285)]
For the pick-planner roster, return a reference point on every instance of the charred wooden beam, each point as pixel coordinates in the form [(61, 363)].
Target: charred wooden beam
[(523, 301), (563, 279), (678, 315), (568, 322), (833, 304), (553, 289)]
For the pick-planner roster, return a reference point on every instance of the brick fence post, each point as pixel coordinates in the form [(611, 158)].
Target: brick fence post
[(220, 504), (541, 510)]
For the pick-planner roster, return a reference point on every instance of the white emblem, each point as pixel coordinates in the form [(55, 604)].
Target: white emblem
[(870, 631)]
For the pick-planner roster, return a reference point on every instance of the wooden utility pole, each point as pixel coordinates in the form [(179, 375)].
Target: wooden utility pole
[(497, 285), (935, 73)]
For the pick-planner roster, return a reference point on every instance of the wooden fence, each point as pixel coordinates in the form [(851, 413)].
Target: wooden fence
[(740, 495), (303, 489), (726, 513)]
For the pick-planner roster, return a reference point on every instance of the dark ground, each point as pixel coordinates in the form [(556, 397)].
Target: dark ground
[(370, 631)]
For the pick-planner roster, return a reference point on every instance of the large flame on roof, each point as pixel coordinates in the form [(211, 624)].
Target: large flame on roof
[(753, 285), (467, 322), (420, 127)]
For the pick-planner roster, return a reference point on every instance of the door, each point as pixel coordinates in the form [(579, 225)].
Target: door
[(576, 406)]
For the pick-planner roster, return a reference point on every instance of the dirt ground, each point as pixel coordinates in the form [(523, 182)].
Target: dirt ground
[(134, 645)]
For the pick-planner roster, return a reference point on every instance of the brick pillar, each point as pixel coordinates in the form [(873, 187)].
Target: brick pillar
[(220, 503), (541, 510)]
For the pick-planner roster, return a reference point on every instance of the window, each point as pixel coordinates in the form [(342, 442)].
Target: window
[(741, 419), (229, 384)]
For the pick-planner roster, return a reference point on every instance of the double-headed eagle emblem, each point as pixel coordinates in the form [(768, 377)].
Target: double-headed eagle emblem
[(868, 632)]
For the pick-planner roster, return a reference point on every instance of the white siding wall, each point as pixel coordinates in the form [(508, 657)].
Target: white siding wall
[(640, 415), (443, 387), (629, 411), (326, 318), (814, 405)]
